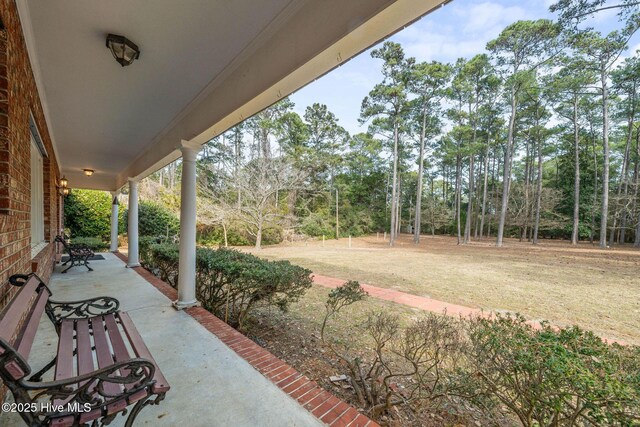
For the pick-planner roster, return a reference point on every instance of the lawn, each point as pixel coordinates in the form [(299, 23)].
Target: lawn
[(593, 288)]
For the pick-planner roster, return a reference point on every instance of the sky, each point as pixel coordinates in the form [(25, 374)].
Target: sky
[(462, 28)]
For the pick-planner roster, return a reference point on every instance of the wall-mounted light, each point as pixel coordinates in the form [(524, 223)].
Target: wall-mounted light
[(62, 186), (88, 172), (124, 50)]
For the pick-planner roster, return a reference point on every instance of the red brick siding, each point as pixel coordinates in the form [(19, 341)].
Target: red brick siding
[(18, 99), (4, 128)]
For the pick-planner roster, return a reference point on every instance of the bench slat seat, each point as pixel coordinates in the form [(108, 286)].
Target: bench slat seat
[(110, 347), (101, 360), (161, 385)]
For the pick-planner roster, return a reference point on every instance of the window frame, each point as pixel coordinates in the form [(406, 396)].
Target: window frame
[(37, 206)]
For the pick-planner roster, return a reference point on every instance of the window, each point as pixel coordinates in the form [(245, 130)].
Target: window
[(37, 197)]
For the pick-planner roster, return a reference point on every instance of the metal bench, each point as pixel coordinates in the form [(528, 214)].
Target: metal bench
[(78, 254), (102, 364)]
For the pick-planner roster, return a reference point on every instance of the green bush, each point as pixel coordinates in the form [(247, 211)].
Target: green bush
[(155, 220), (316, 225), (96, 244), (162, 259), (272, 235), (550, 376), (213, 235), (144, 247), (87, 213), (230, 283)]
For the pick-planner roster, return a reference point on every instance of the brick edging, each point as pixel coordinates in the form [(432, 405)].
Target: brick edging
[(323, 405)]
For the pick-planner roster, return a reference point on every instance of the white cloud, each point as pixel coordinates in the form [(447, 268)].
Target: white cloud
[(466, 33), (355, 77), (480, 17)]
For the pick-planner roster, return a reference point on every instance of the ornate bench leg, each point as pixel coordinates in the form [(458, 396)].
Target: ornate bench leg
[(136, 410), (69, 268), (86, 263)]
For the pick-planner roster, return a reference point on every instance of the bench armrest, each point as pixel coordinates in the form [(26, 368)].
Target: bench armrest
[(82, 309), (95, 388)]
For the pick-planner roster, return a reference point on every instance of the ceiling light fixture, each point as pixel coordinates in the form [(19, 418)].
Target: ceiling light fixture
[(88, 172), (124, 50)]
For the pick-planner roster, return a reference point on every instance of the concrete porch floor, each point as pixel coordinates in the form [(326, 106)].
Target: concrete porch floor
[(210, 384)]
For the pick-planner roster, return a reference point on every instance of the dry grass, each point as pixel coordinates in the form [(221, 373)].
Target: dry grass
[(595, 289)]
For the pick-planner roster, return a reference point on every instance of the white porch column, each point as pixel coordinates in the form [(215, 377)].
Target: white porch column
[(114, 221), (187, 266), (132, 233)]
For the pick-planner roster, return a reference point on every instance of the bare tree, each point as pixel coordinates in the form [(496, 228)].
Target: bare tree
[(260, 182)]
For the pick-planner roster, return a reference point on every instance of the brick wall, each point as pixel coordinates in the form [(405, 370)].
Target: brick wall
[(18, 100)]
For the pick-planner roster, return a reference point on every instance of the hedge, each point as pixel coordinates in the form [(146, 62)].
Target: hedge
[(230, 283), (87, 213), (155, 220), (94, 243)]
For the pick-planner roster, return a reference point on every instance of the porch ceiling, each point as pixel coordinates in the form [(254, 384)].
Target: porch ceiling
[(204, 66)]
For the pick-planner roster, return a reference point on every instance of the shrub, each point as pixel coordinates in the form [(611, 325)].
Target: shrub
[(501, 366), (95, 243), (316, 225), (87, 213), (162, 259), (156, 220), (144, 247), (547, 376), (213, 235), (230, 283), (272, 235), (411, 365)]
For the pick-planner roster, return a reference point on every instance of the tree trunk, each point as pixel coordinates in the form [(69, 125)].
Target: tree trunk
[(576, 183), (536, 228), (458, 193), (259, 236), (636, 171), (595, 189), (484, 187), (467, 224), (386, 202), (433, 210), (495, 171), (236, 164), (444, 183), (623, 189), (337, 216), (416, 229), (506, 179), (394, 194), (637, 190), (605, 170), (525, 219), (264, 142), (398, 207)]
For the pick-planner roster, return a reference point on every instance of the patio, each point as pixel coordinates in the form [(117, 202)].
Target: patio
[(210, 384)]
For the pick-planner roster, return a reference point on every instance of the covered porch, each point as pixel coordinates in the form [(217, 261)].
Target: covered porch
[(210, 383), (193, 72), (203, 68)]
